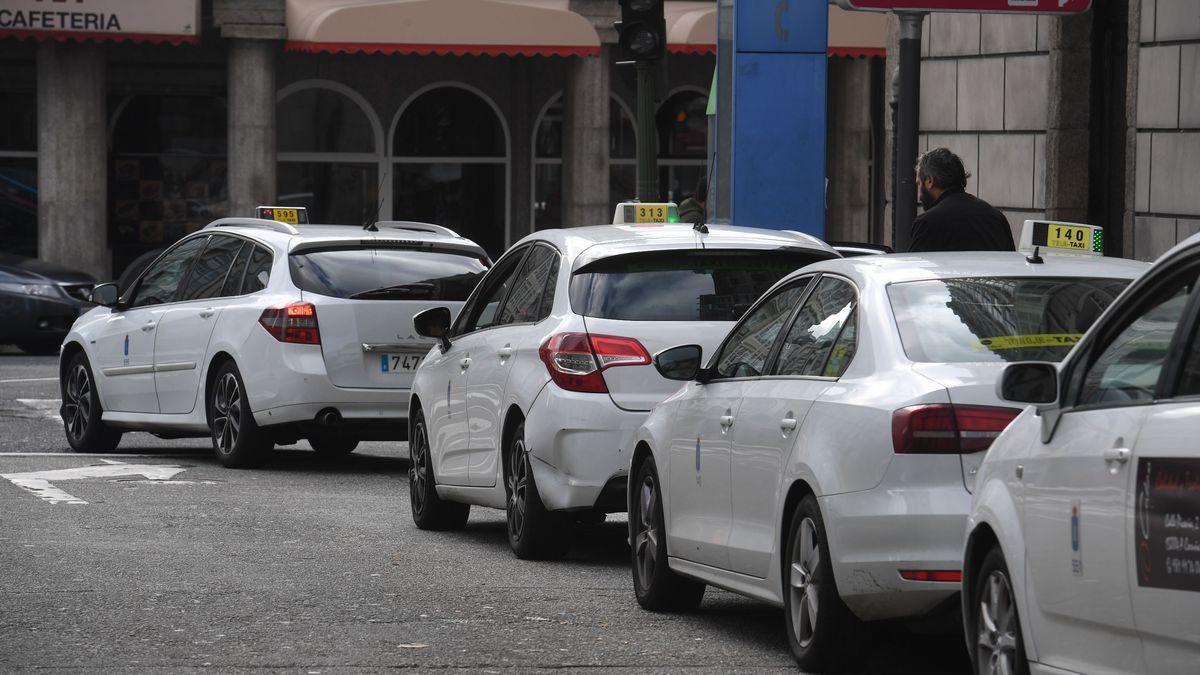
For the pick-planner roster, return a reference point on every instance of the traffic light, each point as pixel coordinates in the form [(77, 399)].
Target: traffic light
[(642, 30)]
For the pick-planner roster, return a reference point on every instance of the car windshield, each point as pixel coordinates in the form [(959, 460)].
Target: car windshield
[(997, 319), (712, 285), (386, 273)]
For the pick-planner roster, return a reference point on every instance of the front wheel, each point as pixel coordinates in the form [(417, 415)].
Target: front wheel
[(81, 410), (656, 586), (821, 630), (429, 511), (237, 440), (534, 532), (998, 645)]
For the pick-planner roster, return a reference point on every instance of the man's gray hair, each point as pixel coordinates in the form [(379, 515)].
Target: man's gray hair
[(944, 167)]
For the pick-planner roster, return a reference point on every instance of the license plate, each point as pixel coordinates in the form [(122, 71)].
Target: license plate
[(650, 213), (398, 363), (1069, 236)]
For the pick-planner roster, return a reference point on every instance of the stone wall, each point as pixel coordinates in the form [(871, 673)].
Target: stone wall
[(1167, 191)]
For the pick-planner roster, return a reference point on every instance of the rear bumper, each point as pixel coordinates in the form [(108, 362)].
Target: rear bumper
[(576, 441)]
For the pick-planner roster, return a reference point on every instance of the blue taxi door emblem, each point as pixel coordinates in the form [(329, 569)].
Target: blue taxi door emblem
[(697, 454), (1074, 528), (126, 345)]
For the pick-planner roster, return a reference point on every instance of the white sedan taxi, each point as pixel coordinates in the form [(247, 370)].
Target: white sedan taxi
[(1083, 539), (823, 459)]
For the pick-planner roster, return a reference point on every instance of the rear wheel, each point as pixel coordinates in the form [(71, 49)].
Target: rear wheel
[(329, 444), (821, 630), (534, 532), (994, 623), (237, 440), (81, 410), (429, 511), (656, 586)]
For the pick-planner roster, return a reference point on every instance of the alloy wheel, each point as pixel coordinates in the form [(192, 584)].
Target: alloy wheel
[(418, 471), (996, 650), (227, 413), (806, 557), (645, 542), (77, 406), (518, 488)]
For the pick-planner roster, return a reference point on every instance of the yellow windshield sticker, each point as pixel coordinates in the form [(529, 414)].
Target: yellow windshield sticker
[(1003, 342)]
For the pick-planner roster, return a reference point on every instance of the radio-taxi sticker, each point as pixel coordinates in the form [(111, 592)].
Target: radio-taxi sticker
[(1167, 531), (1003, 342)]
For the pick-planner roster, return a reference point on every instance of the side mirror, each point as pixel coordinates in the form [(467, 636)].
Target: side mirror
[(106, 295), (679, 363), (1030, 383), (434, 323)]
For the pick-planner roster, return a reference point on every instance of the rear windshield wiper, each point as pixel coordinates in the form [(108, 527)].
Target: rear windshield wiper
[(421, 289)]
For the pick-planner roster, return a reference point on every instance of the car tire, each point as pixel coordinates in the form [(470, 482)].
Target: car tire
[(657, 588), (238, 442), (999, 638), (429, 511), (81, 410), (822, 631), (330, 445), (534, 532), (39, 348)]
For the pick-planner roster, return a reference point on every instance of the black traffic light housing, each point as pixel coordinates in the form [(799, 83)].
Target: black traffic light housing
[(642, 30)]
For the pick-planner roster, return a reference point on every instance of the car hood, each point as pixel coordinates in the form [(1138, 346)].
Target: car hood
[(19, 268)]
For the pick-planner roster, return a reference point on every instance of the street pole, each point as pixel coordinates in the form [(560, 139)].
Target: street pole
[(647, 142), (907, 120)]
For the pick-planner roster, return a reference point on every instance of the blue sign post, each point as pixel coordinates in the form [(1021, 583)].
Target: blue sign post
[(774, 145)]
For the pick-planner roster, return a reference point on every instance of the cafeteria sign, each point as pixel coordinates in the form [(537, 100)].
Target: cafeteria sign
[(164, 20)]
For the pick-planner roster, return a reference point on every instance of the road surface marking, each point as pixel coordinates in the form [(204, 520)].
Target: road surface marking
[(38, 482), (48, 407), (30, 379)]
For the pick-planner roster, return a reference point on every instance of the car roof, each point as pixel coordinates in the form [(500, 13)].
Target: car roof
[(896, 268), (604, 240), (291, 237)]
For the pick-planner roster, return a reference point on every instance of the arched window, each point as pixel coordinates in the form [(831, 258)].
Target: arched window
[(328, 145), (547, 160), (168, 170), (18, 173), (450, 155), (682, 141)]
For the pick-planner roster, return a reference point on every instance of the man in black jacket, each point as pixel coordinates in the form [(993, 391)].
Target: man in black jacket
[(954, 220)]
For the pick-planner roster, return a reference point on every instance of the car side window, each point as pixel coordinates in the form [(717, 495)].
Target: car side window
[(160, 284), (482, 309), (809, 347), (208, 273), (258, 271), (746, 351), (1128, 367), (525, 300), (233, 280)]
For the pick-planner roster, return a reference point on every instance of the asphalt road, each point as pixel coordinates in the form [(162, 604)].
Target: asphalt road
[(176, 563)]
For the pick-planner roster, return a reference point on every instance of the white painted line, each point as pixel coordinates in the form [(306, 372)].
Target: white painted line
[(48, 407), (97, 455), (38, 482), (30, 379)]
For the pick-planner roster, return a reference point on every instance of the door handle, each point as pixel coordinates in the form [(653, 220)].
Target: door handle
[(465, 363), (207, 312), (787, 424), (1117, 455), (148, 326), (505, 352), (726, 421)]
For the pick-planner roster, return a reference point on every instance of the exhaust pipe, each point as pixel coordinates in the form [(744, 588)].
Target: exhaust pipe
[(329, 417)]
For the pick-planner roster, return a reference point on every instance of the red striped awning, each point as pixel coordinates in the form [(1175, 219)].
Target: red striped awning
[(692, 29), (81, 36)]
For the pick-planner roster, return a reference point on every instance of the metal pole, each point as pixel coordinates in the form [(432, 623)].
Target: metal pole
[(907, 121), (647, 141)]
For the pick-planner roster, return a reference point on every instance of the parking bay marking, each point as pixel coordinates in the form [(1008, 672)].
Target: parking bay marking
[(48, 407), (38, 482)]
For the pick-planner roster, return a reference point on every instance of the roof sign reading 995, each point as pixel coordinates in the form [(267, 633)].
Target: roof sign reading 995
[(1029, 6)]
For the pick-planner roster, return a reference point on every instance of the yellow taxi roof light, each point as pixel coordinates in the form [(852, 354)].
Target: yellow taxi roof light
[(646, 213), (1059, 238)]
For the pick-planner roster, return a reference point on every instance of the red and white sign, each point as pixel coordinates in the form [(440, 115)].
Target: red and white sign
[(1018, 6), (138, 20)]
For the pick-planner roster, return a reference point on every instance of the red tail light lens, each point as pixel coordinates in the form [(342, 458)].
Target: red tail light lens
[(295, 323), (576, 361), (948, 576), (948, 429)]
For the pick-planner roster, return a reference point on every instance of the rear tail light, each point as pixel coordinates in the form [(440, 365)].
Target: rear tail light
[(948, 429), (576, 361), (296, 323), (948, 576)]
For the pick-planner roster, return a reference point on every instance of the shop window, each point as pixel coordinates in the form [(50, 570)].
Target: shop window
[(547, 161), (682, 125), (329, 153), (18, 173), (450, 155), (167, 173)]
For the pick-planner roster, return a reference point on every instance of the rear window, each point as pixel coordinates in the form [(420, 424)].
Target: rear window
[(386, 274), (997, 319), (680, 285)]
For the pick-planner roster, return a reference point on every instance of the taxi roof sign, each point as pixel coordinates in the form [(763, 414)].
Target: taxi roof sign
[(1053, 237), (292, 215), (646, 213)]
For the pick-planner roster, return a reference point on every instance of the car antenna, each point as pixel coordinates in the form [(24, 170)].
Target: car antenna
[(1035, 259), (701, 228), (369, 224)]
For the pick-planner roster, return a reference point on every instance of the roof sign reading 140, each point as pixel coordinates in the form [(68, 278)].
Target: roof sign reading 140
[(1030, 6)]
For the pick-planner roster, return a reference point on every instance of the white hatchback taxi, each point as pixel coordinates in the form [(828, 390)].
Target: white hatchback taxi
[(258, 332), (1083, 546), (824, 458), (527, 402)]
